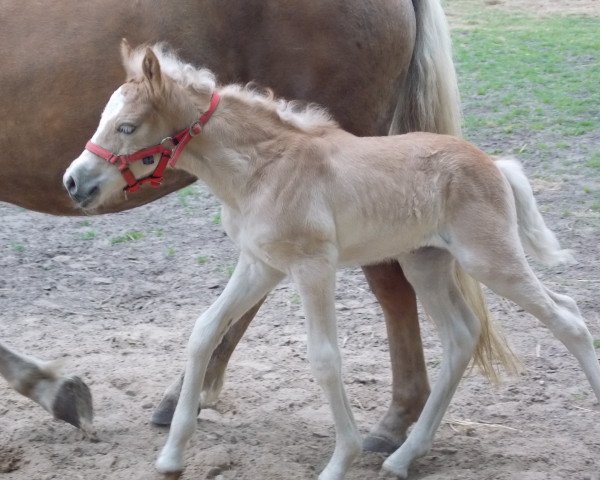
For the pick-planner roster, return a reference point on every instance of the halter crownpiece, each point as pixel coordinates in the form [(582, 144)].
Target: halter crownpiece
[(170, 149)]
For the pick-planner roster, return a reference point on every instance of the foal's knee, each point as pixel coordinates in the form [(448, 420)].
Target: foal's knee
[(325, 363)]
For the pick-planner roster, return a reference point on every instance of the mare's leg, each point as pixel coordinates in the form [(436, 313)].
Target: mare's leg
[(316, 284), (215, 372), (410, 387), (67, 398), (431, 272), (250, 282)]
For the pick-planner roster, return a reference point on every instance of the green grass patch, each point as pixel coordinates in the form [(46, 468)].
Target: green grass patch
[(89, 235), (594, 161), (229, 270), (187, 193), (216, 218), (597, 343), (201, 259), (17, 247), (130, 236), (529, 77)]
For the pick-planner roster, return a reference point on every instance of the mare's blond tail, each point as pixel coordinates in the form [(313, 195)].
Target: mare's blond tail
[(430, 101)]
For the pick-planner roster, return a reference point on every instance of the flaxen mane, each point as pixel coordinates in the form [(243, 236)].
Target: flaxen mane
[(301, 115)]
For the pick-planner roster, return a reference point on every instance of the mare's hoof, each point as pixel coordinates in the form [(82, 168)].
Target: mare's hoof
[(377, 444), (73, 404), (163, 415)]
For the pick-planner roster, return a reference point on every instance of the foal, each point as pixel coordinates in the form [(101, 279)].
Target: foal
[(301, 197)]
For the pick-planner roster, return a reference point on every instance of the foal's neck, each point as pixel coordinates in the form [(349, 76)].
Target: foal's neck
[(238, 139)]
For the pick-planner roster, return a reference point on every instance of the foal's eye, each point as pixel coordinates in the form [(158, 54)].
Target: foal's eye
[(126, 128)]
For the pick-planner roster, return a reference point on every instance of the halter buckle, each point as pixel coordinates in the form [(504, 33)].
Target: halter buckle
[(168, 143)]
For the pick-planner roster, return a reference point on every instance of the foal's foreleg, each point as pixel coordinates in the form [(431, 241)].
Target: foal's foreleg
[(251, 281), (430, 271), (215, 372), (316, 285)]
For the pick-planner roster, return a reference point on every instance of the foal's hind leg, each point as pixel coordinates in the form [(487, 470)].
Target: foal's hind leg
[(507, 272), (431, 272)]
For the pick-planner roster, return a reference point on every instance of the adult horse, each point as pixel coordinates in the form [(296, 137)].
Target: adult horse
[(377, 66)]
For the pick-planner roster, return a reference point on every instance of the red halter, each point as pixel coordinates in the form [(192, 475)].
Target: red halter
[(169, 149)]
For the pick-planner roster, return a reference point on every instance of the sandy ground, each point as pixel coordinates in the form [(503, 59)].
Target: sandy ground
[(119, 313)]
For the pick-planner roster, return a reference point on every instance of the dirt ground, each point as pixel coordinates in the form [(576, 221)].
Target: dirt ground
[(118, 309)]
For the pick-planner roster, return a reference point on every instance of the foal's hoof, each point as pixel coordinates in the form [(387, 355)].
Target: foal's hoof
[(170, 465), (172, 475), (73, 404), (390, 471), (163, 415), (379, 444)]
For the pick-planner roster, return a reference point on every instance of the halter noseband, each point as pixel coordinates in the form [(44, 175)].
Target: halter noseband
[(169, 149)]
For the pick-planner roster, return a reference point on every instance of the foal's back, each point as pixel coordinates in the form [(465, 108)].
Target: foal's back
[(390, 195)]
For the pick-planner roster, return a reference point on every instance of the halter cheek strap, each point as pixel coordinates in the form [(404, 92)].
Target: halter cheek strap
[(170, 149)]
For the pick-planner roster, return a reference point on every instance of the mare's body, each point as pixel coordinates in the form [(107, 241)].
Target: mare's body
[(375, 65)]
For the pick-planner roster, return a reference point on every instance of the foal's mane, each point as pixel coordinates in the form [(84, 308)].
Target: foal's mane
[(303, 116)]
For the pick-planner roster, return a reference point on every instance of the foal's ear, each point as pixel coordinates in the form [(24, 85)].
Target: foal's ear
[(151, 69), (126, 55)]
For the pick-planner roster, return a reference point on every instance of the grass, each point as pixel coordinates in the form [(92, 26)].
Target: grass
[(229, 270), (529, 81), (129, 236), (216, 218), (594, 161), (201, 259), (17, 247), (295, 299), (597, 343), (186, 194), (89, 235)]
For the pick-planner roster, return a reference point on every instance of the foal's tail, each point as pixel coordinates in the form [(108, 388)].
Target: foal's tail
[(429, 100), (537, 239)]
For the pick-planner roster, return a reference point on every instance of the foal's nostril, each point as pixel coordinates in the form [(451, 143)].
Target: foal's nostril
[(71, 186)]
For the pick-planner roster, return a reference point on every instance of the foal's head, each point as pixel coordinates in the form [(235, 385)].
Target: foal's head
[(162, 96)]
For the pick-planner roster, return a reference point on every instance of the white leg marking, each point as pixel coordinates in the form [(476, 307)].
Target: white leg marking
[(250, 282), (430, 271), (316, 284)]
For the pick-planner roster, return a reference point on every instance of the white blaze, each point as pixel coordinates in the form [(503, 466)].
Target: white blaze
[(112, 109)]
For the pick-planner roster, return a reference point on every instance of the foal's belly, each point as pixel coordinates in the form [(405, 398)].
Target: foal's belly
[(376, 243)]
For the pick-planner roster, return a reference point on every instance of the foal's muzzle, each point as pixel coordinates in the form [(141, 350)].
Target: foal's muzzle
[(81, 189)]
